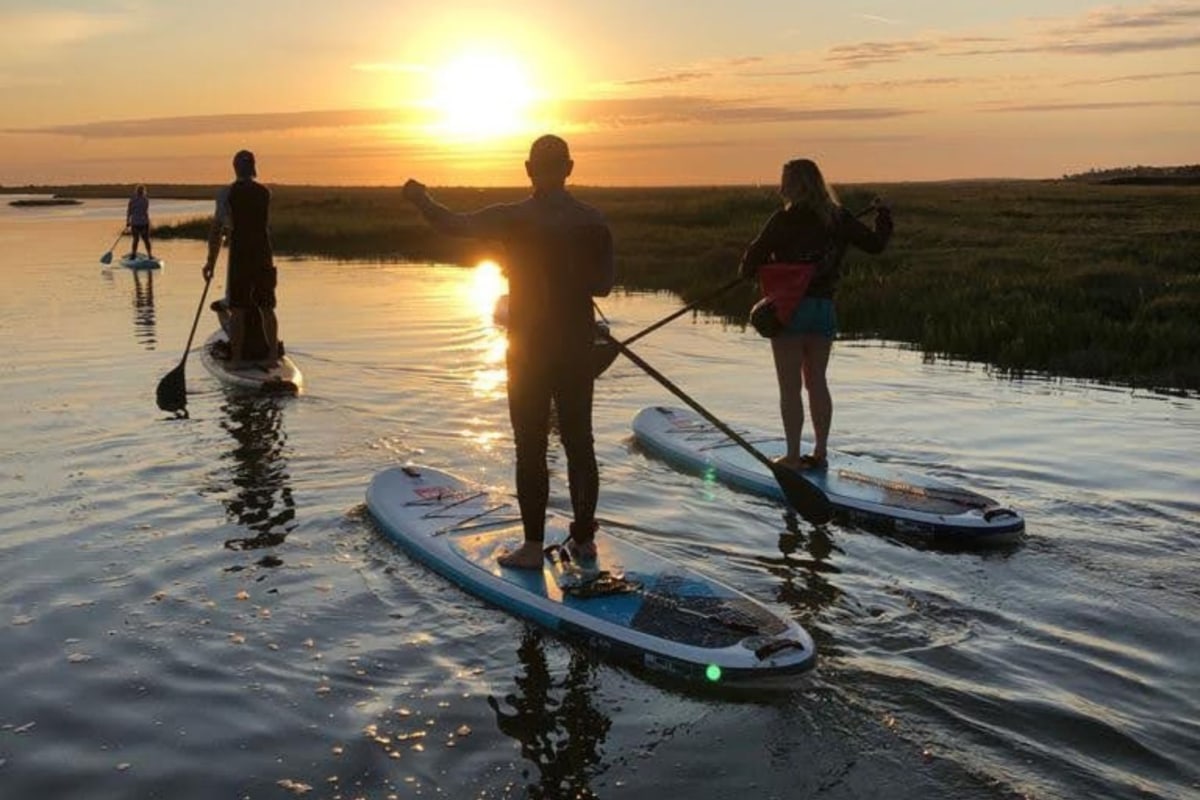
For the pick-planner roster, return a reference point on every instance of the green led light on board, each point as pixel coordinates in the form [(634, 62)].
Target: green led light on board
[(712, 672)]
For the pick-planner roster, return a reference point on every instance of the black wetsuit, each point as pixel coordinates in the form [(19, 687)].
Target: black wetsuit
[(559, 256)]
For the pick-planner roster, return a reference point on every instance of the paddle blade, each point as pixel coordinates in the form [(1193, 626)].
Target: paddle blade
[(106, 258), (808, 500), (172, 392)]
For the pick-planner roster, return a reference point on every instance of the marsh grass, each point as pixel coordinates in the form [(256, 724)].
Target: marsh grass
[(1058, 277)]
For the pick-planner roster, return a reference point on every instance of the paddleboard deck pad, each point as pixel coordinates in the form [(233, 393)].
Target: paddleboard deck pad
[(860, 488), (629, 604), (141, 261), (281, 378)]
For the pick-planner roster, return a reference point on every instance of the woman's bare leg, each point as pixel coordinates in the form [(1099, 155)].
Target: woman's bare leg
[(816, 350), (789, 362)]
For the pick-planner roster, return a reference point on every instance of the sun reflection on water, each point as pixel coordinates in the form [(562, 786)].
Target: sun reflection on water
[(485, 287)]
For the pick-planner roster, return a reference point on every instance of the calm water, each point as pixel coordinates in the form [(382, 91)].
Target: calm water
[(199, 608)]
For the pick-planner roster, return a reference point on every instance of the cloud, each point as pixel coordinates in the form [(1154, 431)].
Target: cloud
[(1097, 106), (866, 54), (1148, 76), (676, 77), (688, 110), (708, 69), (1077, 47), (225, 123), (902, 83), (1104, 20)]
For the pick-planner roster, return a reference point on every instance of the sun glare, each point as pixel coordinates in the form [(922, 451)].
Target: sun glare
[(485, 288), (482, 95)]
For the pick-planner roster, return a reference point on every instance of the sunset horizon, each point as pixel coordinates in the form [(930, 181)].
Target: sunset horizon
[(368, 94)]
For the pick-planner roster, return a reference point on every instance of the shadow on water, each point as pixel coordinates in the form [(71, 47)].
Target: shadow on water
[(560, 730), (143, 309), (261, 496)]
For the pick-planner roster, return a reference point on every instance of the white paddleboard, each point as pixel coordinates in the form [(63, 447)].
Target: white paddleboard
[(902, 501), (283, 377), (629, 605), (141, 261)]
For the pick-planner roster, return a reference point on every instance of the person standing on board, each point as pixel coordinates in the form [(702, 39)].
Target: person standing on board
[(247, 312), (559, 256), (137, 219), (811, 229)]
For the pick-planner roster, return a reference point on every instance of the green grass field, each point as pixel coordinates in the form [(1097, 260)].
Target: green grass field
[(1059, 277)]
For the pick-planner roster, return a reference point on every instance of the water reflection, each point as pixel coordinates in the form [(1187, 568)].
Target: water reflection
[(561, 732), (803, 571), (261, 500), (143, 308)]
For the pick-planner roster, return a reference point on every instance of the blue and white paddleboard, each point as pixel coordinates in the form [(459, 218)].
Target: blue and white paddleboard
[(141, 261), (858, 487), (629, 605), (280, 378)]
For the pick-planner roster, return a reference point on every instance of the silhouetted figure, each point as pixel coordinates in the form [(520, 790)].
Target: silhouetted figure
[(559, 256)]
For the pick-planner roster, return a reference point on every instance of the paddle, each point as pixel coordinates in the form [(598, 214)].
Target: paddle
[(172, 389), (805, 497), (107, 257), (607, 353)]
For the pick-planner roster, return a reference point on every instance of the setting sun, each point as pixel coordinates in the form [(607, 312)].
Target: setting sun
[(482, 95)]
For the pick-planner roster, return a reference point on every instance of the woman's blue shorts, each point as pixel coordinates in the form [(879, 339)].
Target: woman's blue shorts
[(813, 315)]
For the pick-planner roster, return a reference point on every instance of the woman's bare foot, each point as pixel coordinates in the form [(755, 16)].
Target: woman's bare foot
[(791, 462), (528, 556)]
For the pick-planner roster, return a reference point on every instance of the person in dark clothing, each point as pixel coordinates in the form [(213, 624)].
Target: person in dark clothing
[(559, 256), (137, 219), (808, 237), (247, 312)]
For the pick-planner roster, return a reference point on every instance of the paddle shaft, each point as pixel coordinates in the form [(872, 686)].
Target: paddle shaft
[(699, 409), (199, 309), (689, 307), (107, 257)]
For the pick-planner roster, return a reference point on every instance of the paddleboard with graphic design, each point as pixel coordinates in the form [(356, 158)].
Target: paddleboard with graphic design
[(629, 604), (902, 500)]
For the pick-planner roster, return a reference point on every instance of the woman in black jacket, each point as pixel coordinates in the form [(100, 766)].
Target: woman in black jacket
[(803, 243)]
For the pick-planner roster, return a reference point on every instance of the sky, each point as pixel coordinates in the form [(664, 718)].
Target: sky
[(647, 92)]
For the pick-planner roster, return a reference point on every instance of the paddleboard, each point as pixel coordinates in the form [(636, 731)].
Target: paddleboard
[(860, 488), (141, 261), (629, 604), (281, 378)]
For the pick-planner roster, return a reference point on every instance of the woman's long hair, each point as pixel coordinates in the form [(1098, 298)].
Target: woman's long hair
[(803, 186)]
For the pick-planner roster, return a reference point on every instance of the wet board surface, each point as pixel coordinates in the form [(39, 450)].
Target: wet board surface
[(282, 378), (860, 487), (629, 604)]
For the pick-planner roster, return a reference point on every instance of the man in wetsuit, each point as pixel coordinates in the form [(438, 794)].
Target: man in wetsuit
[(248, 311), (559, 256)]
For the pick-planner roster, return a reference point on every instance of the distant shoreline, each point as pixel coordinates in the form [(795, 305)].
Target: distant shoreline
[(48, 201), (1067, 278)]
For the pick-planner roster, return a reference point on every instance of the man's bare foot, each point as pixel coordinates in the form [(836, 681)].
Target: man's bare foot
[(528, 556)]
